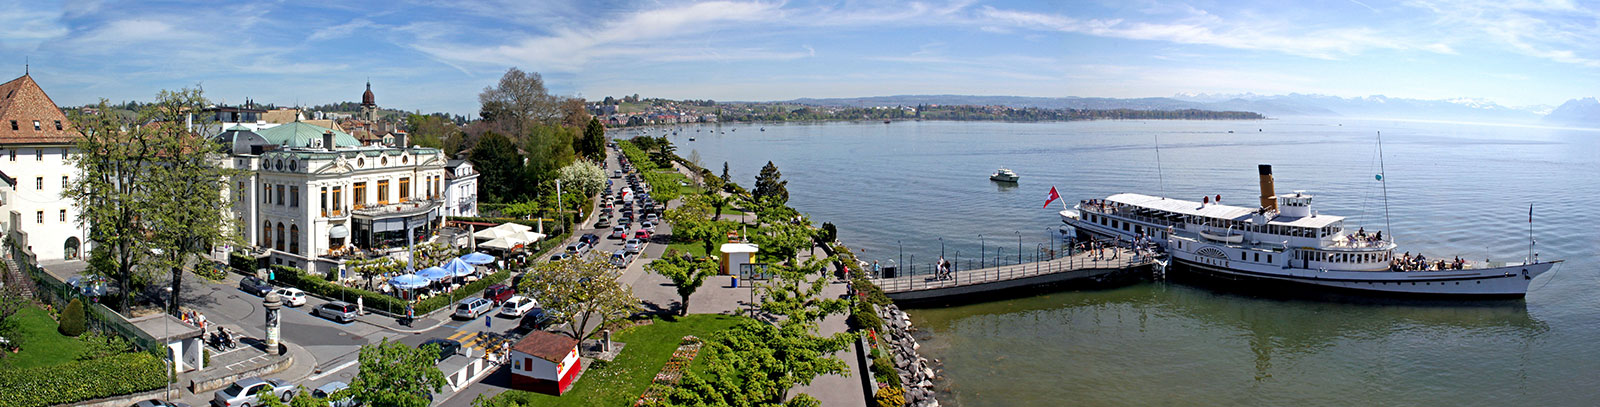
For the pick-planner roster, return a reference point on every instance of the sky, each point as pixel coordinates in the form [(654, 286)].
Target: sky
[(438, 55)]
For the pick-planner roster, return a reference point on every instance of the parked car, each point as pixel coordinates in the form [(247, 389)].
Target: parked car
[(255, 286), (536, 319), (648, 225), (246, 392), (499, 293), (291, 296), (517, 305), (602, 223), (633, 246), (619, 232), (560, 256), (472, 308), (642, 234), (447, 348), (331, 390), (619, 259), (338, 311), (159, 403), (616, 174)]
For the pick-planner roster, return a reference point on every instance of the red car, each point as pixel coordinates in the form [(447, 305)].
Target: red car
[(642, 234), (498, 293)]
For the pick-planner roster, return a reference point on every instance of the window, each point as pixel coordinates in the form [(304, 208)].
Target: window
[(38, 217), (280, 195), (63, 182), (14, 125), (279, 241), (241, 187), (38, 154), (36, 126), (324, 201), (58, 125), (294, 239), (294, 196), (338, 202), (361, 195), (266, 234), (38, 183), (63, 215), (383, 192), (266, 193), (405, 189)]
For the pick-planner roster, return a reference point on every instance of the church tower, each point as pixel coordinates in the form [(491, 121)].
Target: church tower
[(369, 105)]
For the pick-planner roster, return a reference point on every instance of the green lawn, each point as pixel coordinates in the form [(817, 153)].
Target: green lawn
[(41, 344), (622, 381), (696, 249)]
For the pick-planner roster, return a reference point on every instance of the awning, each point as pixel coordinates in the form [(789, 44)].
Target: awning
[(339, 232), (499, 244)]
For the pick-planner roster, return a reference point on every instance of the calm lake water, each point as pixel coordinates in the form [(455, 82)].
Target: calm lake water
[(1453, 189)]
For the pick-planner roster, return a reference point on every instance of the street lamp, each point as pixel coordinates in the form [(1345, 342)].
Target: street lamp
[(1019, 247), (902, 256), (166, 333), (941, 247), (982, 251), (1047, 237)]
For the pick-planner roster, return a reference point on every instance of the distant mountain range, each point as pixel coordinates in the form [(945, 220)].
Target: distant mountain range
[(1578, 112)]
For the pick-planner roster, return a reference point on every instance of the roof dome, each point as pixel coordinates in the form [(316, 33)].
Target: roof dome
[(366, 98)]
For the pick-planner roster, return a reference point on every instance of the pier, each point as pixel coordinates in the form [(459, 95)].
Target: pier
[(1078, 266)]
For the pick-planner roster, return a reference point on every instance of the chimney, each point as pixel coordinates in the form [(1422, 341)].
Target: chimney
[(1269, 199), (327, 140), (400, 140)]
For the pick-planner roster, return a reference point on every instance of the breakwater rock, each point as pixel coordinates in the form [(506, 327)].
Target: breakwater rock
[(915, 372)]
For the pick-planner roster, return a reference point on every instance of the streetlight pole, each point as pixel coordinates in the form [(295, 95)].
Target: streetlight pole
[(983, 251), (941, 247), (1019, 247), (166, 333), (1047, 238), (902, 261)]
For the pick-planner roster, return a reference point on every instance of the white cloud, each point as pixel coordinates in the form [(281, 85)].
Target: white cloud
[(26, 24), (341, 30)]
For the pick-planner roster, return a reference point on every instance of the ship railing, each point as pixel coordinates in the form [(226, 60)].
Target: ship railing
[(926, 277), (1128, 214)]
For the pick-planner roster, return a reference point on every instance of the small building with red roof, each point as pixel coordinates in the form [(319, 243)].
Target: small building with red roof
[(545, 362)]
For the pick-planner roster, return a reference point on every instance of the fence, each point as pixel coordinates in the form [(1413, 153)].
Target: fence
[(98, 317)]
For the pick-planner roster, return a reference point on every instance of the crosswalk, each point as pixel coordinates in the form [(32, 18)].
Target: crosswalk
[(479, 341)]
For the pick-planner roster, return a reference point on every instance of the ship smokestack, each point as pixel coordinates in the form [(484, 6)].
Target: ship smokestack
[(1269, 200)]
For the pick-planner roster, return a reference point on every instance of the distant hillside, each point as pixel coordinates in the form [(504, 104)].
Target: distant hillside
[(1576, 112), (1377, 106)]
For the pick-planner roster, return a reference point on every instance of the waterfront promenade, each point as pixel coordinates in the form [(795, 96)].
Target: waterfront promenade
[(1090, 265)]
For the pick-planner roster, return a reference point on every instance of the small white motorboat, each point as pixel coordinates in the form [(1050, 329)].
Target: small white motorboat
[(1004, 175)]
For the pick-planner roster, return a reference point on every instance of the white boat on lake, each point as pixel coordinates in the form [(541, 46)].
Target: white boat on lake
[(1004, 175)]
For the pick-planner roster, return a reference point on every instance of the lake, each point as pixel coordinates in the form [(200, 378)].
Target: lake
[(905, 191)]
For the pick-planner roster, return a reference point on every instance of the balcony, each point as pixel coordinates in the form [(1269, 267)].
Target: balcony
[(398, 209)]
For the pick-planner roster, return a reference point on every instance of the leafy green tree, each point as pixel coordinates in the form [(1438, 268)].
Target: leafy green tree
[(499, 165), (303, 398), (520, 100), (783, 241), (727, 181), (396, 375), (144, 184), (432, 130), (548, 149), (583, 178), (756, 363), (594, 140), (72, 319), (582, 292), (770, 184), (686, 272)]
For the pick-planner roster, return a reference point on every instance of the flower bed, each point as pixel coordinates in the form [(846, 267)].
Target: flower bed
[(672, 371)]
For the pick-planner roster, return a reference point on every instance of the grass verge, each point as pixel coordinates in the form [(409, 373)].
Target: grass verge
[(35, 331)]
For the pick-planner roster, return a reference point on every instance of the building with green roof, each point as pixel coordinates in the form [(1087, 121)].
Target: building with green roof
[(302, 134)]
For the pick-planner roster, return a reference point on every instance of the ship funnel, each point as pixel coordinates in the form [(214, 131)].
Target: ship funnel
[(1269, 200)]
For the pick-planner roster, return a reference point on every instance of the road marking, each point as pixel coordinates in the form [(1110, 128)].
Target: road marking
[(331, 371)]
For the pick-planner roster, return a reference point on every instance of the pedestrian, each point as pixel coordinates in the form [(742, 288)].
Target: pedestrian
[(202, 319), (361, 306), (271, 275), (876, 270)]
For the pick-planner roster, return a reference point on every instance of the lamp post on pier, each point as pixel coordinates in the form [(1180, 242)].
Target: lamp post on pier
[(1048, 238), (1019, 247), (902, 257), (941, 247), (982, 251)]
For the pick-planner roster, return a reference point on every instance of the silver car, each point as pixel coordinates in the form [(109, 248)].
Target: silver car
[(472, 308), (339, 311), (328, 391), (246, 393)]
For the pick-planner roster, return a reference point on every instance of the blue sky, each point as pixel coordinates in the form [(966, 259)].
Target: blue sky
[(437, 55)]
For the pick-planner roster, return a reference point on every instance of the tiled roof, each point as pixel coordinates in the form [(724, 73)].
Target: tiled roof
[(300, 134), (22, 102), (545, 345)]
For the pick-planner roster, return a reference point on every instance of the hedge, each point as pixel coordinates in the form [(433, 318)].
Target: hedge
[(73, 382), (441, 301), (242, 263), (318, 286)]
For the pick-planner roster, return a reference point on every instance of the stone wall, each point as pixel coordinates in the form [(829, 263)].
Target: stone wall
[(915, 372)]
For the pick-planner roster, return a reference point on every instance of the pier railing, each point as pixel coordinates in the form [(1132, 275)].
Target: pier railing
[(1109, 258)]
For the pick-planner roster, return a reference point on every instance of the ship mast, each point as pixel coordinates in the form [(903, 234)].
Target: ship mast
[(1161, 181), (1385, 181)]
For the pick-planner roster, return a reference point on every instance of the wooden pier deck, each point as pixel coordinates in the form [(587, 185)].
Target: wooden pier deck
[(923, 287)]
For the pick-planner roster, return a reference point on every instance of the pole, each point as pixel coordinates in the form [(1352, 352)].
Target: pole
[(902, 256), (166, 328), (941, 246), (1530, 235), (1384, 179), (1019, 247), (982, 251), (560, 208)]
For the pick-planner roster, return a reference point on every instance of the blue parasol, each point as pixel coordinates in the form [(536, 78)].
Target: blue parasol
[(457, 267), (408, 282), (434, 273), (477, 258)]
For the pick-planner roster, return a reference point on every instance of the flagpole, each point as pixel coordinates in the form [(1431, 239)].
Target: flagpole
[(1530, 234)]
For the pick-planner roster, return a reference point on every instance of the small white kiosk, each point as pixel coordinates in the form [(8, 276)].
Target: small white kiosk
[(734, 254)]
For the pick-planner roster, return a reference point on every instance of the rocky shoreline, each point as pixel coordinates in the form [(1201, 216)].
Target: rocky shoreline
[(916, 373)]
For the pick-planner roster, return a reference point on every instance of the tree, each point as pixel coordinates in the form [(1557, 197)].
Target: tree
[(133, 175), (727, 181), (756, 363), (783, 241), (499, 165), (686, 272), (432, 130), (11, 302), (395, 375), (770, 184), (594, 140), (519, 101), (548, 149), (580, 291), (72, 319), (582, 178)]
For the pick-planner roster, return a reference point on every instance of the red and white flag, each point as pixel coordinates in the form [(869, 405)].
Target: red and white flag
[(1053, 196)]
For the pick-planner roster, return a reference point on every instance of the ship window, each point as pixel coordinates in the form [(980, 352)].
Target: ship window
[(1258, 257), (1241, 255), (1269, 258)]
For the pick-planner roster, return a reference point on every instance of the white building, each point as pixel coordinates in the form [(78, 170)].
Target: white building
[(311, 194), (35, 141), (545, 362), (461, 189)]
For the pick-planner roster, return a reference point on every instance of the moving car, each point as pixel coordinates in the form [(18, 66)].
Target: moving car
[(619, 259), (339, 311), (447, 348), (602, 223), (291, 296), (590, 238), (517, 305), (633, 246), (255, 286), (560, 256), (246, 392), (642, 234), (499, 293), (329, 391), (472, 308), (536, 319), (619, 232)]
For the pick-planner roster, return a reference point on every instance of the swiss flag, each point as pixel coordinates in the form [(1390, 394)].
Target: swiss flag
[(1053, 197)]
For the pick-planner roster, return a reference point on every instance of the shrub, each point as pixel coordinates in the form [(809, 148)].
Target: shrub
[(72, 319), (73, 382), (442, 301), (891, 396), (883, 369), (318, 286), (241, 263), (862, 317), (98, 345)]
